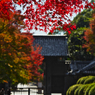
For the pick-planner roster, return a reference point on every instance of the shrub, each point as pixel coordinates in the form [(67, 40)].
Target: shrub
[(88, 88), (90, 79), (82, 89), (92, 91), (71, 90), (77, 90), (85, 86), (81, 80)]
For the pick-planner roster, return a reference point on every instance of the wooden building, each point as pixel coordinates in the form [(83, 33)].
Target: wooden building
[(55, 52), (78, 70), (59, 73)]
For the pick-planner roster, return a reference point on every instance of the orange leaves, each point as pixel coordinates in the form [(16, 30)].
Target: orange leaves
[(34, 58), (8, 38), (89, 36), (16, 60), (40, 77), (5, 81), (9, 54), (16, 48)]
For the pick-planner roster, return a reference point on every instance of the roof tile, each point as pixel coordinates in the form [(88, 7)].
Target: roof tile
[(52, 45)]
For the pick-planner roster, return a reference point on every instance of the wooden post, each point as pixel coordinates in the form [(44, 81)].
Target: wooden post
[(28, 91), (39, 87)]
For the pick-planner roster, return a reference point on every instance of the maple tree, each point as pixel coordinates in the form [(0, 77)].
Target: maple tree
[(89, 36), (19, 59), (40, 15), (45, 15)]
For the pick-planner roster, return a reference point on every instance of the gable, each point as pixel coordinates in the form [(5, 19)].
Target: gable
[(52, 45)]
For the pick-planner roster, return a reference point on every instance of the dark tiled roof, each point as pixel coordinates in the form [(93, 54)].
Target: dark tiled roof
[(84, 67), (52, 45), (78, 65), (87, 68), (89, 72)]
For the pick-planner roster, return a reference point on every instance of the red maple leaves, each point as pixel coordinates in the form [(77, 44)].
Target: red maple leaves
[(6, 7), (34, 58), (51, 12), (45, 15)]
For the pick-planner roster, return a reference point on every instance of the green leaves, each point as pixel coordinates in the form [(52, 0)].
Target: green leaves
[(83, 18), (71, 90), (81, 80), (75, 42), (85, 86)]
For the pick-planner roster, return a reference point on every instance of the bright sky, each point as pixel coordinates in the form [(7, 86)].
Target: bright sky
[(41, 32)]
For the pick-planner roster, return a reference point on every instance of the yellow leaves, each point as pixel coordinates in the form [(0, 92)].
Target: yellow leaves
[(2, 47), (5, 37), (10, 65), (24, 75), (14, 80), (15, 51), (8, 38), (3, 24), (2, 36), (19, 53), (16, 60)]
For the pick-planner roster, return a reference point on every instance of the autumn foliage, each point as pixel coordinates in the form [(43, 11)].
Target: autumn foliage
[(90, 37), (19, 60), (45, 15)]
